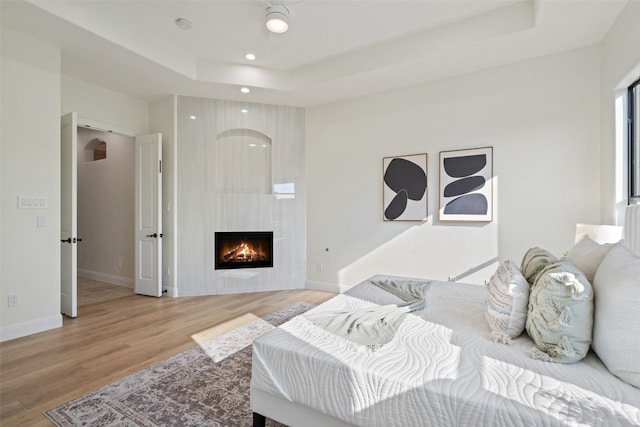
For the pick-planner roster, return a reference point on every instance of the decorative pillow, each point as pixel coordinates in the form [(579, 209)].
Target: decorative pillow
[(560, 317), (587, 256), (507, 298), (616, 329), (534, 261)]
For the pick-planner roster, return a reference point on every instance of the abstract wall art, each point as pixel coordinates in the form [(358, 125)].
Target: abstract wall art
[(404, 188), (466, 190)]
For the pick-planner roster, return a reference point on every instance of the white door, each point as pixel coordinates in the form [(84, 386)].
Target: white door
[(148, 172), (68, 215)]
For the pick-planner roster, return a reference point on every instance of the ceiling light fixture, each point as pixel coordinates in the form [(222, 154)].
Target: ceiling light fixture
[(250, 56), (277, 16), (183, 23), (244, 111), (245, 90)]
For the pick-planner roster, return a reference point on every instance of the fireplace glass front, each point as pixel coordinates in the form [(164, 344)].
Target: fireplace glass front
[(243, 249)]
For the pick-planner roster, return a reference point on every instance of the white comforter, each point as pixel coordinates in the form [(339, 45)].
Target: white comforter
[(441, 369)]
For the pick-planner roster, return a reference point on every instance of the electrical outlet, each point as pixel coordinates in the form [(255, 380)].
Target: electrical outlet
[(13, 300)]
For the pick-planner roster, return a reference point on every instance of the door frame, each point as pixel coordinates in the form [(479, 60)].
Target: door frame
[(103, 127)]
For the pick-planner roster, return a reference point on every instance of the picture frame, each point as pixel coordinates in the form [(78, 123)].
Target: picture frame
[(404, 188), (466, 185)]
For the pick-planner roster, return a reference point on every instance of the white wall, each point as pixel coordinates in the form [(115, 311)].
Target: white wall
[(30, 166), (620, 67), (542, 118), (106, 209), (104, 105), (162, 118)]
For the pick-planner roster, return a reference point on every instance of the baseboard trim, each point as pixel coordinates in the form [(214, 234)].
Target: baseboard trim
[(107, 278), (170, 291), (31, 327), (326, 287)]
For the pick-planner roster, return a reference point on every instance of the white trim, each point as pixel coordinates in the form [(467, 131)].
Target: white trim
[(31, 327), (326, 287), (171, 291), (105, 127), (107, 278)]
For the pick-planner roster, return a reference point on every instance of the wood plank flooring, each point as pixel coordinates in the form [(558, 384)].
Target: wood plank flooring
[(115, 334)]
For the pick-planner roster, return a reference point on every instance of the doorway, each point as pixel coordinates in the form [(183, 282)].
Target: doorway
[(146, 214), (106, 207)]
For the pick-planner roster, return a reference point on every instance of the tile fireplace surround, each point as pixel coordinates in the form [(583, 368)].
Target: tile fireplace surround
[(239, 172)]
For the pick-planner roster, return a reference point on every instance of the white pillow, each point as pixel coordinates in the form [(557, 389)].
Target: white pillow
[(560, 318), (587, 256), (616, 329), (507, 298)]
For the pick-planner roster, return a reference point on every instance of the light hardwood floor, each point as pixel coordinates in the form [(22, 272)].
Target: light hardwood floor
[(115, 334)]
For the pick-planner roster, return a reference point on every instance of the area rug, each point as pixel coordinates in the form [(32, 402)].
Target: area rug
[(207, 385)]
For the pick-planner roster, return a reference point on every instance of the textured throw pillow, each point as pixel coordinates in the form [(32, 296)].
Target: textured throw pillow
[(616, 328), (534, 261), (587, 256), (507, 298), (560, 317)]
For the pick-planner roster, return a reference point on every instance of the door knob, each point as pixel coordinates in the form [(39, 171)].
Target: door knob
[(69, 240), (154, 235)]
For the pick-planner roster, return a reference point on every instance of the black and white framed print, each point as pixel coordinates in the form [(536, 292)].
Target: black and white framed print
[(404, 188), (466, 190)]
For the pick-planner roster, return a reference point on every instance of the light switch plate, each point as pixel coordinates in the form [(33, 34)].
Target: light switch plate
[(32, 202)]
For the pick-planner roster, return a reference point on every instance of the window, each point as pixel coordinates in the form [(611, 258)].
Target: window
[(634, 142)]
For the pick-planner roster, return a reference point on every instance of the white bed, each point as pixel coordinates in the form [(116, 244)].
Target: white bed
[(441, 369)]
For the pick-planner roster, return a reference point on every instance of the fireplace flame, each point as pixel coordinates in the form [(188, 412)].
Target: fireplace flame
[(243, 253)]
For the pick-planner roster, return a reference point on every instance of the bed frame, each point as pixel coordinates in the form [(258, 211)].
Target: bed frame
[(288, 413), (264, 404)]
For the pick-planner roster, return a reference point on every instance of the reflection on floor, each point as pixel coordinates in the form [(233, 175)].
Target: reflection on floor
[(92, 291)]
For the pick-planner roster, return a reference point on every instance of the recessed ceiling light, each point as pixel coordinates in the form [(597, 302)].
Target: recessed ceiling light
[(252, 145), (244, 110), (183, 23), (245, 90), (250, 56), (192, 117)]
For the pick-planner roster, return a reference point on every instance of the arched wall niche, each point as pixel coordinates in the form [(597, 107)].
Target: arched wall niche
[(243, 162), (96, 149)]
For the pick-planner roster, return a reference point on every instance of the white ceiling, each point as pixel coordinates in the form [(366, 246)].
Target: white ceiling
[(334, 49)]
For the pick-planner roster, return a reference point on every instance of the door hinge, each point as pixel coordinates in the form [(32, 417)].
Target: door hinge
[(160, 168)]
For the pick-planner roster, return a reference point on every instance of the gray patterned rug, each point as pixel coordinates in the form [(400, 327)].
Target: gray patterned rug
[(207, 385)]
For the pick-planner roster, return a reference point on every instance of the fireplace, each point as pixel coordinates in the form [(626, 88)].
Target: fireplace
[(243, 249)]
